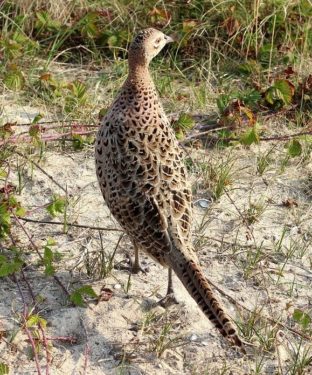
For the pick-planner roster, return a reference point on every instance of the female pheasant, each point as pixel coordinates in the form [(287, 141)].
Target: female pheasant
[(143, 179)]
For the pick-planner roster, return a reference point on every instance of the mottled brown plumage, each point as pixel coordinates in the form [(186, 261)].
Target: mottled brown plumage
[(144, 182)]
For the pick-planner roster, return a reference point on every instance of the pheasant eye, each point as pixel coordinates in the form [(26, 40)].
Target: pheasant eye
[(158, 40)]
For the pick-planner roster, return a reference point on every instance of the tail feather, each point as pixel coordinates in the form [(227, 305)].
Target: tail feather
[(200, 290)]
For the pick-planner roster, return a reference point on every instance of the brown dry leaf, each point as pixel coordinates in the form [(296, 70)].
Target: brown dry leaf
[(105, 294), (290, 202), (3, 334), (77, 128), (45, 77), (306, 86), (105, 13), (289, 71), (237, 115), (231, 25), (197, 144), (188, 25), (292, 86), (160, 16), (7, 130), (7, 189)]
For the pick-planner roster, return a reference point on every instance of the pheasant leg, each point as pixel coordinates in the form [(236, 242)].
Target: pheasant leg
[(136, 266), (170, 298)]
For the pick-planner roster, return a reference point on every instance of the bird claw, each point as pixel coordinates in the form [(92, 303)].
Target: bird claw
[(168, 300), (133, 267)]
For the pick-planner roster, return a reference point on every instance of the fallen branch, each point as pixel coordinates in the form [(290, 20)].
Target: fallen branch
[(27, 219), (43, 138), (44, 122), (43, 129), (46, 347), (231, 139), (67, 339)]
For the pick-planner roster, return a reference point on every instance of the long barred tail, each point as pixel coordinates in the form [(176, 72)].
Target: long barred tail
[(200, 290)]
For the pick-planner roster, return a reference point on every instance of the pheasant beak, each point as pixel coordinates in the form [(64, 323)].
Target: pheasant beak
[(169, 39)]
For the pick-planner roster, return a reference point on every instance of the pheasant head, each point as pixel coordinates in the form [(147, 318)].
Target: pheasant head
[(146, 45)]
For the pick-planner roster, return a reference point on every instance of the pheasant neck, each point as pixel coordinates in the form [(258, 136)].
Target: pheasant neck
[(138, 75)]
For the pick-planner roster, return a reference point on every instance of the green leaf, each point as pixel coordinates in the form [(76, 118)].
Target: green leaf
[(51, 242), (34, 320), (294, 148), (285, 89), (267, 52), (102, 113), (87, 25), (302, 318), (88, 290), (280, 93), (57, 206), (14, 79), (78, 142), (77, 296), (9, 267), (248, 67), (112, 41), (37, 118), (20, 211), (45, 22), (3, 173), (179, 134), (34, 130), (76, 97), (4, 369), (77, 299), (250, 136), (5, 221), (47, 260), (251, 97), (185, 121), (222, 102)]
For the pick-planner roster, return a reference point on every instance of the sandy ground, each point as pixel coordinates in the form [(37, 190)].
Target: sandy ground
[(126, 335)]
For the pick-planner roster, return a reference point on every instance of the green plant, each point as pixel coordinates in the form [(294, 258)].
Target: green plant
[(163, 341), (77, 296), (280, 93), (4, 369), (301, 359), (264, 161), (76, 97), (252, 260), (14, 78), (10, 263), (252, 214), (184, 124), (56, 206), (217, 175)]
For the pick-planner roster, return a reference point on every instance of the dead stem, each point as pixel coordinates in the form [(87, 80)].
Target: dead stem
[(31, 340), (230, 139), (41, 169), (34, 246), (27, 219)]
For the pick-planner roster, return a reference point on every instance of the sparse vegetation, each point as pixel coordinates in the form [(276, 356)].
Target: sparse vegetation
[(238, 84)]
